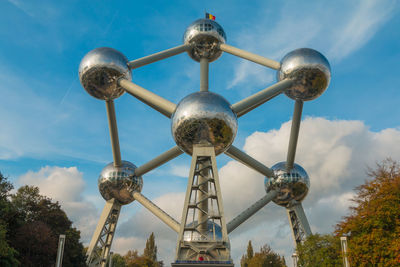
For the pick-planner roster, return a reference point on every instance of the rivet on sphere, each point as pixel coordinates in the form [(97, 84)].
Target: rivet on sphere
[(204, 118), (309, 70), (100, 70), (119, 182), (204, 35), (290, 185)]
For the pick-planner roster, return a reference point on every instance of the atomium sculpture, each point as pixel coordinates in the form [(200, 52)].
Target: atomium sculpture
[(203, 125)]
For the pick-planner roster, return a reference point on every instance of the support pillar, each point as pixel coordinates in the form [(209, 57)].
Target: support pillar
[(298, 223), (203, 238), (100, 245)]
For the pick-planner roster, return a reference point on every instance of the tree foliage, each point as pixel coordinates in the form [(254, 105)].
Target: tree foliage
[(150, 251), (319, 250), (133, 259), (265, 258), (373, 227), (31, 225)]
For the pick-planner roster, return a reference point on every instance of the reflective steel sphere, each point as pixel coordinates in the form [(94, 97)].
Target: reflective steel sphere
[(204, 118), (204, 35), (292, 185), (310, 71), (196, 236), (99, 71), (119, 182)]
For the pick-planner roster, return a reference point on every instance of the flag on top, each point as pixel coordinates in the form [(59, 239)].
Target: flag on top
[(209, 16)]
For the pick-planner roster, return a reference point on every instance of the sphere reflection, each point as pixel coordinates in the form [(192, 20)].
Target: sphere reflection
[(204, 35), (100, 70), (204, 118), (290, 185), (119, 182), (309, 70)]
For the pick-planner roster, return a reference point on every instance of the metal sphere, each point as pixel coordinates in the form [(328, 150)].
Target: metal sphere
[(196, 236), (204, 35), (100, 70), (119, 182), (310, 71), (292, 185), (204, 118)]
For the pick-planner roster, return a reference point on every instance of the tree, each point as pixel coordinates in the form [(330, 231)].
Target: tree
[(8, 255), (373, 226), (265, 258), (247, 257), (118, 260), (40, 222), (150, 251), (319, 250), (147, 259)]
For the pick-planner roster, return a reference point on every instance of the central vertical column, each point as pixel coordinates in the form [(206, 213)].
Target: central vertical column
[(203, 238)]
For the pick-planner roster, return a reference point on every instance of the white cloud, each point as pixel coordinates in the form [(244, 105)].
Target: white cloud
[(66, 186), (334, 153), (180, 170)]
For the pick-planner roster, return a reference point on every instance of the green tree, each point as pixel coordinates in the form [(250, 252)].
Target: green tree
[(247, 257), (373, 226), (320, 250), (118, 260), (40, 222), (8, 255), (150, 251), (266, 257)]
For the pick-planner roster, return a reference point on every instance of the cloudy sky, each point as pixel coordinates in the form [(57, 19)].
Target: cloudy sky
[(55, 136)]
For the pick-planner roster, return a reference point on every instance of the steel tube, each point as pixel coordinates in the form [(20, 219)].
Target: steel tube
[(298, 208), (251, 102), (246, 214), (112, 123), (294, 134), (158, 56), (204, 64), (158, 161), (242, 157), (250, 56), (160, 104), (153, 208), (110, 205)]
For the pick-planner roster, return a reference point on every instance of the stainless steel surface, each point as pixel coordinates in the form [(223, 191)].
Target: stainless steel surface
[(213, 232), (294, 134), (250, 56), (112, 124), (101, 241), (242, 157), (158, 56), (204, 74), (99, 71), (259, 98), (204, 35), (204, 118), (203, 233), (160, 104), (291, 185), (310, 71), (246, 214), (158, 161), (153, 208), (119, 182), (298, 222)]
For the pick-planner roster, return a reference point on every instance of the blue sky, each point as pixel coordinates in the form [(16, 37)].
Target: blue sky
[(55, 135)]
